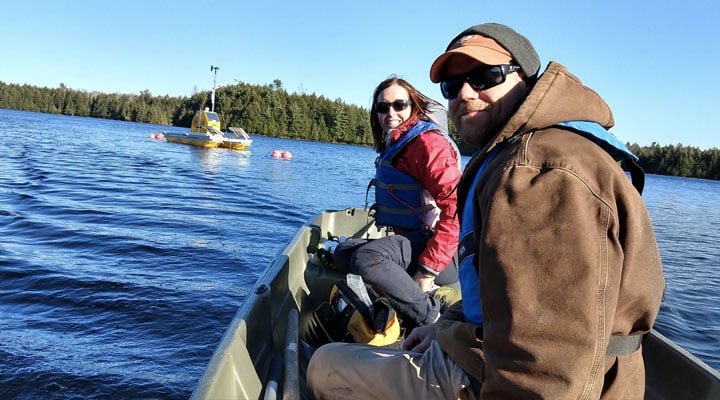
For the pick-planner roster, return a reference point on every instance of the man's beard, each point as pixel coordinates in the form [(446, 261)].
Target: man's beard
[(475, 129)]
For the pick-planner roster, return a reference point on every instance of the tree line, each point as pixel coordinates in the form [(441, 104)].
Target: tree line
[(259, 109), (270, 110)]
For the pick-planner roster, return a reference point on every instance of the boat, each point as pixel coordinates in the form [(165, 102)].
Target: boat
[(264, 352), (205, 129)]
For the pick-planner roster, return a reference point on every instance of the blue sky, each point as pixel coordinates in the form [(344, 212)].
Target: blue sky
[(653, 62)]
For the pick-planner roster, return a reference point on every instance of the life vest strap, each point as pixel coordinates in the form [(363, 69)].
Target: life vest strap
[(624, 345), (404, 211), (636, 174), (398, 186)]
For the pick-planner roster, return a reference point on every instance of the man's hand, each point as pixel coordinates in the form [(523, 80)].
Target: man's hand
[(419, 339)]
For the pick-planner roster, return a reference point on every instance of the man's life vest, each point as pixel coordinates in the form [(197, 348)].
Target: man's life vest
[(468, 273), (399, 196)]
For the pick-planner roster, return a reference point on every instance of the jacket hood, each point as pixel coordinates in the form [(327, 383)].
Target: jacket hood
[(557, 96)]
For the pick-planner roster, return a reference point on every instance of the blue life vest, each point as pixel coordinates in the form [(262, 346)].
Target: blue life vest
[(398, 196), (468, 273)]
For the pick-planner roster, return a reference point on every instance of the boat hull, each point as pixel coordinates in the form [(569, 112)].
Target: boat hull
[(276, 316), (194, 139)]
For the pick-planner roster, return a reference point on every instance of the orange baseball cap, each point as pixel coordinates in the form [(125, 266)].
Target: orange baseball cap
[(490, 44)]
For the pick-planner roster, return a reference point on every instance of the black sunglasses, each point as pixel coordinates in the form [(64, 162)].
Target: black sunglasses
[(397, 105), (479, 79)]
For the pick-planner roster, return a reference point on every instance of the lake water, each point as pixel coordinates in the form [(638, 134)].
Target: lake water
[(123, 258)]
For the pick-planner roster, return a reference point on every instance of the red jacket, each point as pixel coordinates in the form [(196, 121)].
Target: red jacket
[(434, 162)]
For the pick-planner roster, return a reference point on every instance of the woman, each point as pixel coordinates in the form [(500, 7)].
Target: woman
[(416, 174)]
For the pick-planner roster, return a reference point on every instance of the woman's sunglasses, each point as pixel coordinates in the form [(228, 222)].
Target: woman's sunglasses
[(479, 79), (397, 105)]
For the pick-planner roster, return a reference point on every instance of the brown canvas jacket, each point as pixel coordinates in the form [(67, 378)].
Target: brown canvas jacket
[(566, 256)]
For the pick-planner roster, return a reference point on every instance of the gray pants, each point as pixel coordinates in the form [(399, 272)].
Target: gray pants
[(348, 371), (388, 265)]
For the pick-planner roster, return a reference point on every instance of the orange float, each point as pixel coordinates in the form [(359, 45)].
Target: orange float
[(281, 154)]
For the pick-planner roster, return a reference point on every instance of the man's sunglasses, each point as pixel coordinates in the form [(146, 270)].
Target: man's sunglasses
[(397, 105), (479, 79)]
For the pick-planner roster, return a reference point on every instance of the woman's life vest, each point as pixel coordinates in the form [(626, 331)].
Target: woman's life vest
[(469, 282), (400, 199)]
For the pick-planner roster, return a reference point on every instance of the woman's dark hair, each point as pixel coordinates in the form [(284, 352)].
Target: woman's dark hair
[(419, 108)]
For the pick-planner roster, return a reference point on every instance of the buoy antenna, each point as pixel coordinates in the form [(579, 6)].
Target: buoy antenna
[(212, 95)]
